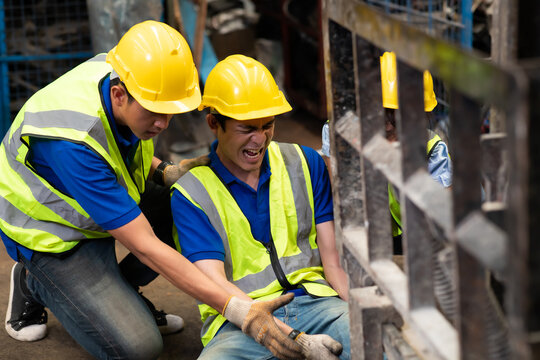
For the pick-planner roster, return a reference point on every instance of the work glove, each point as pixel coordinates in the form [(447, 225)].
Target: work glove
[(319, 347), (173, 172), (256, 320)]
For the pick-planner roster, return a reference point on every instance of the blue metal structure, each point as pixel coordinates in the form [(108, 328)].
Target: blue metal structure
[(449, 19), (39, 41)]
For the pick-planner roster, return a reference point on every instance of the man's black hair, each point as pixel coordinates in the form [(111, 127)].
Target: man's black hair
[(221, 119)]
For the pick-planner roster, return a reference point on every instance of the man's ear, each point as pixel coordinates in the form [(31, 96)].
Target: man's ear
[(212, 123), (118, 95)]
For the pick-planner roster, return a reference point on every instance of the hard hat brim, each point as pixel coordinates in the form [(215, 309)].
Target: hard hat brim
[(259, 114), (171, 107)]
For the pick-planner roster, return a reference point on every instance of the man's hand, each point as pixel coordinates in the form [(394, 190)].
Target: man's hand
[(256, 320), (173, 172), (319, 347)]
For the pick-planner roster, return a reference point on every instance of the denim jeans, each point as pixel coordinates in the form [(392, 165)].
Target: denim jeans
[(314, 316), (96, 299)]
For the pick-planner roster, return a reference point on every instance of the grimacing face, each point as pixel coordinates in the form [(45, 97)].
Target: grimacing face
[(242, 145)]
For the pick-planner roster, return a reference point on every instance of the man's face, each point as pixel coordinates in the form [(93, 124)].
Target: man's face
[(242, 145), (143, 123)]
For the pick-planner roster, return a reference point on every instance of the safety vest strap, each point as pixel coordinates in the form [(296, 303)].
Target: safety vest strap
[(434, 139), (191, 186), (61, 205), (303, 202)]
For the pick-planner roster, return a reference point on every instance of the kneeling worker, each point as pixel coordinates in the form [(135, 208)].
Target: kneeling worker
[(74, 166)]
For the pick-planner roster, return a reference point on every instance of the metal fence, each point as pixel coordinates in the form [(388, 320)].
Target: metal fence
[(450, 20), (39, 41), (462, 289)]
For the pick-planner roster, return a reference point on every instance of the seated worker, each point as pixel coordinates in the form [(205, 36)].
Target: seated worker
[(258, 220), (75, 166), (438, 159)]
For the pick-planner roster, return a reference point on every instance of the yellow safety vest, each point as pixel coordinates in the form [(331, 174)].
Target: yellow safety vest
[(393, 202), (292, 257), (34, 213)]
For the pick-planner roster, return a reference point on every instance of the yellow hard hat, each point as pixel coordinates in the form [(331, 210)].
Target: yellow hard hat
[(155, 63), (430, 101), (389, 84), (242, 88), (389, 80)]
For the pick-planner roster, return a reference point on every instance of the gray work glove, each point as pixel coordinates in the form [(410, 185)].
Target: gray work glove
[(173, 172), (256, 320), (319, 347)]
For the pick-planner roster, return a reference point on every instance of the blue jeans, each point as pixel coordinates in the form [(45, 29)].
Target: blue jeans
[(93, 301), (314, 316), (95, 298)]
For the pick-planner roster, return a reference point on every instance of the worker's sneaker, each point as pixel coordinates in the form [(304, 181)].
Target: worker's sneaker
[(167, 323), (25, 318)]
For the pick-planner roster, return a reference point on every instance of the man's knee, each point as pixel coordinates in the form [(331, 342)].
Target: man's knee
[(140, 347)]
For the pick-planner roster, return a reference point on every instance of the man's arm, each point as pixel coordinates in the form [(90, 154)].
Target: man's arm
[(255, 320), (334, 273), (139, 238), (153, 166)]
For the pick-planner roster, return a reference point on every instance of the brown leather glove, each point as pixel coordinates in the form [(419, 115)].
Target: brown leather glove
[(256, 320), (319, 347), (173, 172)]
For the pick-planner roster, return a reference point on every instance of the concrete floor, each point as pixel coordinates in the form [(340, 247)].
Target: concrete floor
[(297, 127)]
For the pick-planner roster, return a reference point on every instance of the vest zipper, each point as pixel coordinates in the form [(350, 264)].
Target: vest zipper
[(276, 266)]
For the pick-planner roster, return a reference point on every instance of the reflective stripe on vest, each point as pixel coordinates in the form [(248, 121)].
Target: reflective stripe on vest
[(247, 263), (32, 211), (393, 202)]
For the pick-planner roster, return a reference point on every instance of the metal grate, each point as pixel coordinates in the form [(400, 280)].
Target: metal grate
[(481, 246), (39, 41)]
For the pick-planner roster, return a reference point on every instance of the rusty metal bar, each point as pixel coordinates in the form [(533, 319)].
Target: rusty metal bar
[(371, 309), (412, 125), (341, 99), (418, 252), (523, 296), (367, 78)]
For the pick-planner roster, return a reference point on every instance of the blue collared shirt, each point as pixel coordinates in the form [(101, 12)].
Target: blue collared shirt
[(198, 238)]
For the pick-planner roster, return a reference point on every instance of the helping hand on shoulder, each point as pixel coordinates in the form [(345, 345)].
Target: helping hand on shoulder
[(173, 172)]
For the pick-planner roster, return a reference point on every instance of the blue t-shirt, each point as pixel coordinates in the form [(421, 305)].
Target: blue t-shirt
[(82, 174), (198, 238)]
